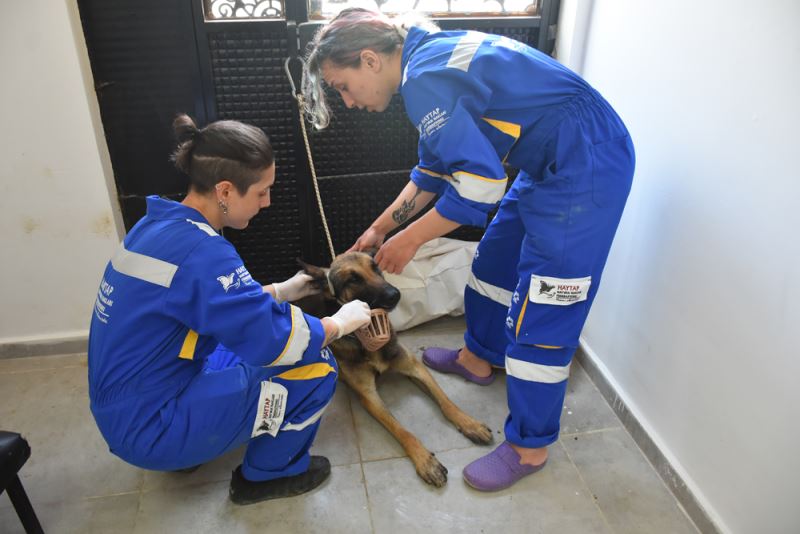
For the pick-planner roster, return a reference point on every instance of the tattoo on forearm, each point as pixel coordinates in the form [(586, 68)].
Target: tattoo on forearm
[(401, 214)]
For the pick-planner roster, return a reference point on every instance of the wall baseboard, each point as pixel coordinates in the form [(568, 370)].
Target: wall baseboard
[(50, 347), (671, 478)]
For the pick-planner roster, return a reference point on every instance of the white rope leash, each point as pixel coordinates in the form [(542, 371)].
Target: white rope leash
[(301, 112)]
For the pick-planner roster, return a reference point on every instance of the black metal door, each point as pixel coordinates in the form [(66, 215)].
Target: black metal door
[(153, 59)]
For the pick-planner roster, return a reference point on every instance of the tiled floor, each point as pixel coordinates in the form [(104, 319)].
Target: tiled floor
[(597, 480)]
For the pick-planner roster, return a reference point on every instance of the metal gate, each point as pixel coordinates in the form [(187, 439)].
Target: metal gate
[(153, 59)]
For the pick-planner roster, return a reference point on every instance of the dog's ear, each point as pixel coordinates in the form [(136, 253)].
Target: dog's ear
[(371, 251), (318, 274)]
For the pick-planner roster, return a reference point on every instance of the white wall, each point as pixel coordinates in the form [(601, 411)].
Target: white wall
[(695, 321), (58, 224)]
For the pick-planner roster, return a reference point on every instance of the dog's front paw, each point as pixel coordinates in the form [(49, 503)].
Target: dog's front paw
[(477, 432), (431, 470)]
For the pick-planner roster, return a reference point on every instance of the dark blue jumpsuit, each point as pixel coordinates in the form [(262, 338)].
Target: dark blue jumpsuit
[(190, 358), (481, 101)]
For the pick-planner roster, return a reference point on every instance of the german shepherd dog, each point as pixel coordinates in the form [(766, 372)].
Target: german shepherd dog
[(354, 275)]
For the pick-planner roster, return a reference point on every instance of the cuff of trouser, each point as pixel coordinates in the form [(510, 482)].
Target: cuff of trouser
[(253, 474), (537, 442), (494, 358)]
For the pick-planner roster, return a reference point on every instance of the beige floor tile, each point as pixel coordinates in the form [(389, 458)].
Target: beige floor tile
[(336, 438), (585, 408), (339, 505), (107, 515), (597, 480), (69, 458), (553, 500), (624, 485), (42, 363)]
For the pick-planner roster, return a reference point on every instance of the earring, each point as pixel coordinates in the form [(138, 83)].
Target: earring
[(223, 207)]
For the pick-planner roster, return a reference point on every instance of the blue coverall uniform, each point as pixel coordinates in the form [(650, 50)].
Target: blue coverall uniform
[(479, 101), (189, 357)]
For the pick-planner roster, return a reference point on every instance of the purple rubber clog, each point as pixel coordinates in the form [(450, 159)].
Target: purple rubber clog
[(498, 470), (444, 361)]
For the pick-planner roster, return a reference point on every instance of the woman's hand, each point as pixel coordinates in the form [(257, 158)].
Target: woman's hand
[(299, 286), (372, 238), (351, 317), (395, 254)]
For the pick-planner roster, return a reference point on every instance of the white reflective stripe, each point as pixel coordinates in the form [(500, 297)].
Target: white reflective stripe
[(298, 340), (535, 372), (310, 421), (497, 294), (464, 50), (472, 186), (143, 267), (204, 227), (477, 188)]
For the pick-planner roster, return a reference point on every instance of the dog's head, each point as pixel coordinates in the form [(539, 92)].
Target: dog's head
[(355, 275)]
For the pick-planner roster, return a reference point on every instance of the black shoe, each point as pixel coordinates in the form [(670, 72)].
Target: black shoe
[(246, 492)]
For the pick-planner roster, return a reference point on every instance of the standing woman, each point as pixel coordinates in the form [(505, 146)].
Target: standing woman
[(189, 357), (479, 101)]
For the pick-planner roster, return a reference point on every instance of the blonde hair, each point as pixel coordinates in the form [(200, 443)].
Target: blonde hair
[(341, 43)]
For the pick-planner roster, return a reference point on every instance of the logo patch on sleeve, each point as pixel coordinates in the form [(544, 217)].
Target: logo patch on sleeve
[(235, 279), (558, 291), (227, 281), (271, 408), (432, 122)]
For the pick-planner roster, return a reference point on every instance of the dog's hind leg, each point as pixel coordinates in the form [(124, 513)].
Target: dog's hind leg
[(362, 381), (412, 367)]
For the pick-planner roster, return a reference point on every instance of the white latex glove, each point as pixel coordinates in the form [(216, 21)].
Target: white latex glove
[(294, 288), (351, 317)]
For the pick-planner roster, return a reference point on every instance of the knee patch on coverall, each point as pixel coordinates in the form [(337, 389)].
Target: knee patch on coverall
[(281, 439)]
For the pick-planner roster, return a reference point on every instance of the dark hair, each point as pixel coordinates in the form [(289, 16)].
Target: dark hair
[(223, 150), (341, 42)]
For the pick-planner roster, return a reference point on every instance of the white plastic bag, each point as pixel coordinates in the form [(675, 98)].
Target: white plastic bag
[(432, 284)]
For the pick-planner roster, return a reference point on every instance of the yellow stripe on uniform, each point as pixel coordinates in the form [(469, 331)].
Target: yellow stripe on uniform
[(519, 323), (307, 372), (508, 128), (431, 173), (521, 315), (297, 343), (189, 344)]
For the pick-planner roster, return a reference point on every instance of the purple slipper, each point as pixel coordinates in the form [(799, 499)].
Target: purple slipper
[(498, 470), (444, 361)]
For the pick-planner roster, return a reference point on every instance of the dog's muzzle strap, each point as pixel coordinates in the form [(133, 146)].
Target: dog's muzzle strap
[(330, 285)]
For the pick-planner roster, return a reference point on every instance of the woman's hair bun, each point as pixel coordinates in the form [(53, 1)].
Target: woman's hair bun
[(186, 133), (185, 128)]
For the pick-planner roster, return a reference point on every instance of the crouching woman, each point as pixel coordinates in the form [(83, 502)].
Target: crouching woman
[(189, 357)]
